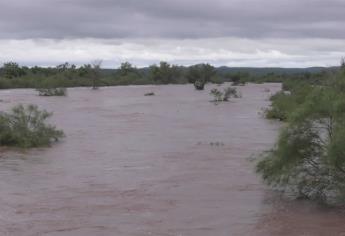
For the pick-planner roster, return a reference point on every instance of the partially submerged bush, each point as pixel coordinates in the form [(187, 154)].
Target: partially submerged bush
[(150, 94), (199, 85), (52, 91), (224, 96), (26, 127), (217, 95), (230, 93)]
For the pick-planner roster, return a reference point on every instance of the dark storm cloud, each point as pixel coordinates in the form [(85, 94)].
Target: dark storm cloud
[(21, 19)]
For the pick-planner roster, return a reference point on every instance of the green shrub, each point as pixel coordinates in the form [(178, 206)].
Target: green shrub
[(12, 70), (285, 102), (164, 73), (25, 127), (282, 104)]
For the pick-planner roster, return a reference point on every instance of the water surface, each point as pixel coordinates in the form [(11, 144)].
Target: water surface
[(172, 164)]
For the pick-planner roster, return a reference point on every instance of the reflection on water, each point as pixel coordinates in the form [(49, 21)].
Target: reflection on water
[(136, 165)]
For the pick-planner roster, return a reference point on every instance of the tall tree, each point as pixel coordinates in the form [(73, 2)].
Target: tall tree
[(12, 70), (96, 73), (200, 75), (126, 68), (164, 73)]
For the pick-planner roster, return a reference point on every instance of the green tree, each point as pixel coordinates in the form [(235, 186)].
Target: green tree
[(12, 70), (85, 70), (308, 159), (200, 74), (95, 73), (67, 70), (126, 69), (342, 66), (164, 73)]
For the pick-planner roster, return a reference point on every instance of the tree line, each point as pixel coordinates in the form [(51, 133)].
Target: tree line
[(12, 75)]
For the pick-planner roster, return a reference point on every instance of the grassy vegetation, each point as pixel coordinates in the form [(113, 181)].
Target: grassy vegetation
[(25, 127), (308, 160)]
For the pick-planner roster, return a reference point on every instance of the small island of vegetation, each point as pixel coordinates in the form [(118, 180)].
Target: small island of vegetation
[(26, 127)]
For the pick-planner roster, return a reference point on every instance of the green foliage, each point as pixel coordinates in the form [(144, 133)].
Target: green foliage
[(127, 69), (92, 75), (52, 92), (26, 127), (194, 74), (164, 73), (200, 74), (12, 70), (285, 102), (282, 103), (308, 160)]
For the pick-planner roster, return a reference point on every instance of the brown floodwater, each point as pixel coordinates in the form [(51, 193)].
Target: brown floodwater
[(173, 164)]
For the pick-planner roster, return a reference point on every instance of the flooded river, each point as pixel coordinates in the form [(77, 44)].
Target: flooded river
[(172, 164)]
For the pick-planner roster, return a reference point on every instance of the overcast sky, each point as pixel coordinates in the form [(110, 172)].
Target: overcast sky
[(260, 33)]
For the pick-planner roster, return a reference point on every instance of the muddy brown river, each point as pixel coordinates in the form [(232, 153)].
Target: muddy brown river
[(173, 164)]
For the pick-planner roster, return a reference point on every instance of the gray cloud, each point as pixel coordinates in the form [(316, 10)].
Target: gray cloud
[(22, 19), (287, 33), (143, 52)]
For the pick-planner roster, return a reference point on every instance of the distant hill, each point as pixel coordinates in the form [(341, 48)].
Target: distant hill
[(268, 70)]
